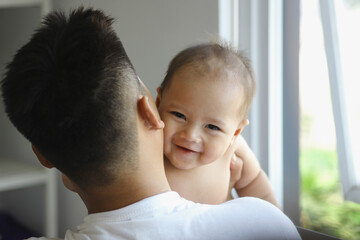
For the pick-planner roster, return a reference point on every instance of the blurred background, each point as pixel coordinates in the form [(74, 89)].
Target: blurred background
[(303, 122)]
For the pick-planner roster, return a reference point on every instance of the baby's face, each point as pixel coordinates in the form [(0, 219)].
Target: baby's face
[(201, 116)]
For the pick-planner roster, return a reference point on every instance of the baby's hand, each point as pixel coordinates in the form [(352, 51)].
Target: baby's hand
[(236, 166), (251, 166), (244, 167), (252, 180)]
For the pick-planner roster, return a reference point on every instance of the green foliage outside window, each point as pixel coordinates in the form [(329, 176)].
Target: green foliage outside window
[(323, 207)]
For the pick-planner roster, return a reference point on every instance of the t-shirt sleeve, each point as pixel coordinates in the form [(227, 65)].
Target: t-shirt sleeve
[(261, 219)]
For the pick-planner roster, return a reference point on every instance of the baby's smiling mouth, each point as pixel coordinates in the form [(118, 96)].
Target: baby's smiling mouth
[(184, 149)]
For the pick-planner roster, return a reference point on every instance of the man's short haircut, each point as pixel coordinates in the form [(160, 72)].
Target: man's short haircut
[(216, 58), (72, 91)]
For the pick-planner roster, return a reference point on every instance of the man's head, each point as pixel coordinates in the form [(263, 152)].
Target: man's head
[(72, 92)]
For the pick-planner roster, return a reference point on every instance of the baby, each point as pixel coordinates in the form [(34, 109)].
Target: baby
[(204, 101)]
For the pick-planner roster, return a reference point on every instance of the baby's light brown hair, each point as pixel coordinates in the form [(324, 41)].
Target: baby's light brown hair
[(216, 58)]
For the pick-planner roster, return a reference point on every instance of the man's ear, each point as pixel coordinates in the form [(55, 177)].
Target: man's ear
[(41, 158), (158, 97), (151, 118), (242, 125)]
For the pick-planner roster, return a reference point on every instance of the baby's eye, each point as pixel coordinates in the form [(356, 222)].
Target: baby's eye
[(178, 115), (213, 127)]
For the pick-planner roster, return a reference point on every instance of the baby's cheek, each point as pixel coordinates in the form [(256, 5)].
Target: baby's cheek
[(215, 151), (210, 155)]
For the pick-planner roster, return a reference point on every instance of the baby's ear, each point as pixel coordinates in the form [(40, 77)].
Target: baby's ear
[(242, 125), (158, 97), (150, 117), (41, 158)]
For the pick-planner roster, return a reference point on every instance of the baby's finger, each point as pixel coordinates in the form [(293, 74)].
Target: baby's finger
[(236, 166)]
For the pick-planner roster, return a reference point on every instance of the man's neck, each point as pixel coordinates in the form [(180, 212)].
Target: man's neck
[(134, 188)]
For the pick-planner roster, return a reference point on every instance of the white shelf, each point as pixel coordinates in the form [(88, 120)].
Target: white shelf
[(16, 174)]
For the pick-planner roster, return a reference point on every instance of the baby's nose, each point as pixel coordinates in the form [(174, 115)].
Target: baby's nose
[(191, 133)]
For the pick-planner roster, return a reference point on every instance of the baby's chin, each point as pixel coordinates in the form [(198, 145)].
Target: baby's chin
[(181, 165)]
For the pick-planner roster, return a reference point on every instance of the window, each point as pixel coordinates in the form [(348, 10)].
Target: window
[(271, 33), (259, 28), (329, 109), (342, 48)]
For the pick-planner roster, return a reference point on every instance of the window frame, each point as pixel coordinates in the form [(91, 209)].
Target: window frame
[(269, 34), (346, 161)]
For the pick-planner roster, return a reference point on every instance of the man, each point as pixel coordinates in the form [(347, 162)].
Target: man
[(74, 94)]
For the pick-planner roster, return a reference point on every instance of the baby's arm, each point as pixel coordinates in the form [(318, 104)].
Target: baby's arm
[(253, 181)]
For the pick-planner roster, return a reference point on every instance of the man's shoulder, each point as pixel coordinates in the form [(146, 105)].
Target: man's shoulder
[(246, 203), (250, 206), (244, 210), (243, 217), (168, 216)]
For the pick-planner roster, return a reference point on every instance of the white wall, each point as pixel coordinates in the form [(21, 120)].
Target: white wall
[(152, 32), (16, 26)]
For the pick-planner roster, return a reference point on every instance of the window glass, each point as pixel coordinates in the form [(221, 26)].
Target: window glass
[(348, 19), (323, 207)]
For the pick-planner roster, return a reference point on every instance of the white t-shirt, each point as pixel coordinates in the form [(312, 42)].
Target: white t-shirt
[(168, 216)]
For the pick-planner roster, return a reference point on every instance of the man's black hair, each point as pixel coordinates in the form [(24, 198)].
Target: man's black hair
[(71, 91)]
